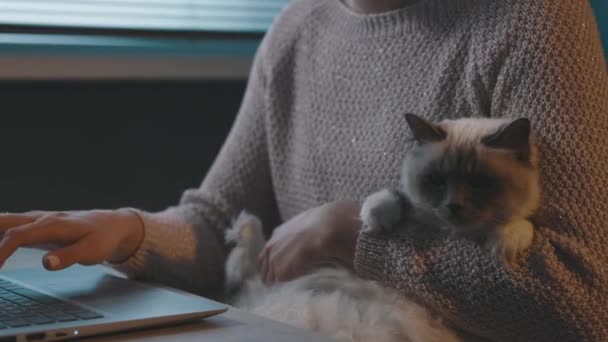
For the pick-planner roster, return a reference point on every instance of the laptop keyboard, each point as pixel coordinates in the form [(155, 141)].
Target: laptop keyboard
[(20, 307)]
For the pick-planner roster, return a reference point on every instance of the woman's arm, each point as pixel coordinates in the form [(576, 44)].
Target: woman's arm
[(184, 245), (552, 71)]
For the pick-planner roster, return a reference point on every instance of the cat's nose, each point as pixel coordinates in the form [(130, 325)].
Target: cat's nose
[(454, 208)]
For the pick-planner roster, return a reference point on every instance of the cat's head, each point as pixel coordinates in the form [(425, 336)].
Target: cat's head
[(472, 173)]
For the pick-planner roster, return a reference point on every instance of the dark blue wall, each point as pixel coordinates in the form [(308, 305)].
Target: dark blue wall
[(78, 145)]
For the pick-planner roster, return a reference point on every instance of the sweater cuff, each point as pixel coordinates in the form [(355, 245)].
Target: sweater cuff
[(153, 225), (370, 257)]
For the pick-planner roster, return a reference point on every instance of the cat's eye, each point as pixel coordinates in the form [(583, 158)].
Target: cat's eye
[(481, 181), (435, 179)]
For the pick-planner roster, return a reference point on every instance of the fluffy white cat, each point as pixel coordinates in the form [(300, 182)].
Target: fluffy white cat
[(331, 301)]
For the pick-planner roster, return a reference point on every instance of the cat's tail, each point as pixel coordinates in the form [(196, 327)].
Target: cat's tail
[(247, 236)]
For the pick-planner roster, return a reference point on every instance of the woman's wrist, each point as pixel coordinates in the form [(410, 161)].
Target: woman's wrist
[(135, 232), (342, 240)]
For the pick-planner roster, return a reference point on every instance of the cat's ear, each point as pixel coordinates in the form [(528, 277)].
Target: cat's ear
[(424, 131), (515, 136)]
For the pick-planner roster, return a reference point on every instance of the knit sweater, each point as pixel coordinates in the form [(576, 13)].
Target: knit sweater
[(322, 120)]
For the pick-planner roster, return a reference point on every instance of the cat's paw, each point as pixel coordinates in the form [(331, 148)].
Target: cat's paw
[(241, 264), (246, 227), (381, 212), (513, 239)]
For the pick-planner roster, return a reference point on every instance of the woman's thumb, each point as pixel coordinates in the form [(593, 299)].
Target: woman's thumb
[(51, 262), (79, 253)]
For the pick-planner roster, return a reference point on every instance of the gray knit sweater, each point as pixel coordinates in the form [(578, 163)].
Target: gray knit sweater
[(322, 120)]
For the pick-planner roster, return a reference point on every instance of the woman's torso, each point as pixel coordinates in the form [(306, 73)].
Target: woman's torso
[(338, 94)]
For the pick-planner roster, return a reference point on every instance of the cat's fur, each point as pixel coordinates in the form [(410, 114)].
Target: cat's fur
[(477, 177), (331, 301), (485, 170)]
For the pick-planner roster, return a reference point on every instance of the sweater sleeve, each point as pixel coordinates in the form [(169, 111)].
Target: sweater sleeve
[(184, 245), (554, 73)]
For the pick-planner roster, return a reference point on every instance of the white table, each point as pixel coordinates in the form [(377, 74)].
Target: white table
[(234, 325)]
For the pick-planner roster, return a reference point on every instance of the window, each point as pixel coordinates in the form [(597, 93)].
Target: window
[(229, 16), (131, 39)]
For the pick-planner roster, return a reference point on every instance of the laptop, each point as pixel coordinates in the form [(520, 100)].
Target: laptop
[(37, 305)]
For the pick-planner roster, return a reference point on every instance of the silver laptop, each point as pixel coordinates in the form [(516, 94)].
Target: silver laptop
[(36, 305)]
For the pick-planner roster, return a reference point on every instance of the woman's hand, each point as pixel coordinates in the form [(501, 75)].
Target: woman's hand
[(84, 237), (322, 235)]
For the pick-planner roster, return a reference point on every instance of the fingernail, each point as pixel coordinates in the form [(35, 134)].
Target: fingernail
[(51, 261)]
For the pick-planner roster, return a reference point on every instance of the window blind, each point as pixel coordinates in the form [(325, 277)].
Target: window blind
[(247, 16)]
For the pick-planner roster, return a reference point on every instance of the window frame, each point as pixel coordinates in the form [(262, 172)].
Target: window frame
[(55, 56)]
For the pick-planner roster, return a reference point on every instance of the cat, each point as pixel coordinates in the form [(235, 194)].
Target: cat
[(331, 301), (475, 177), (468, 176)]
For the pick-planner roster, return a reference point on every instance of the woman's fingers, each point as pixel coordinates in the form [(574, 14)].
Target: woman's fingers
[(85, 252), (263, 264), (14, 220), (275, 264), (270, 277), (261, 257), (286, 274), (297, 268), (38, 232), (265, 267)]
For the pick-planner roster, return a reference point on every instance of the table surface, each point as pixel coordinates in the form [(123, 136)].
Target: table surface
[(234, 325)]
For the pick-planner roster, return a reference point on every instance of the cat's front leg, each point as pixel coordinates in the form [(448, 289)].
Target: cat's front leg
[(511, 240), (382, 211)]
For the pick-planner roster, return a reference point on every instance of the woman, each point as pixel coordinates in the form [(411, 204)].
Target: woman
[(320, 128)]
